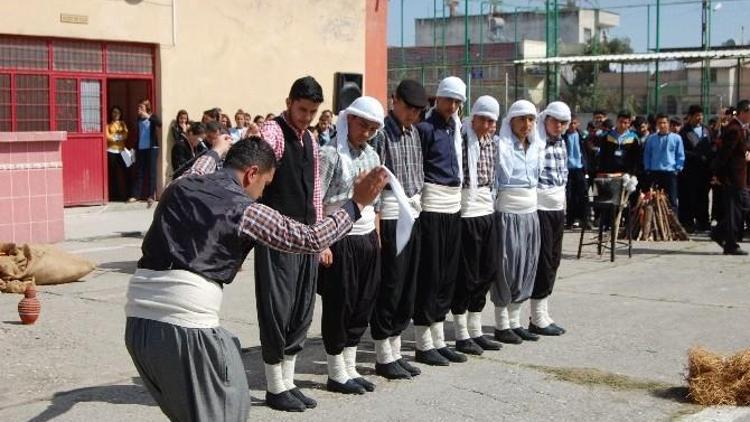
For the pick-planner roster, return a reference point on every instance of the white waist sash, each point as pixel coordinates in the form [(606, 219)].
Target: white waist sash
[(389, 208), (551, 199), (176, 297), (516, 200), (366, 222), (477, 203), (441, 199)]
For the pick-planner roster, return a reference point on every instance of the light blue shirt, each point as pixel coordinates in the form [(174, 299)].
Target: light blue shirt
[(664, 153), (144, 133), (518, 168), (698, 131), (574, 151)]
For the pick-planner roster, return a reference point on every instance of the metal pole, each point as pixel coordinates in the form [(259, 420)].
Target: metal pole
[(547, 41), (506, 91), (739, 79), (515, 33), (403, 53), (648, 65), (622, 86), (443, 33), (656, 74), (434, 31), (595, 51), (706, 69), (467, 59)]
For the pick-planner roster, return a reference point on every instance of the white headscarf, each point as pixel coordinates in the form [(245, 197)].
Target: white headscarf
[(453, 87), (557, 109), (506, 136), (485, 106), (367, 108)]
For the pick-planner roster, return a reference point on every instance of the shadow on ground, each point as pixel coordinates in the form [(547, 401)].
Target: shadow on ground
[(63, 401), (124, 267)]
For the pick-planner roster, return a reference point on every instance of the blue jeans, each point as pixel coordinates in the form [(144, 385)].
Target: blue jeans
[(145, 168)]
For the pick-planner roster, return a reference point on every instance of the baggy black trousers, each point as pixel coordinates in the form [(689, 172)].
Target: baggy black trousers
[(348, 289), (394, 306), (551, 227), (438, 265), (478, 263), (285, 286)]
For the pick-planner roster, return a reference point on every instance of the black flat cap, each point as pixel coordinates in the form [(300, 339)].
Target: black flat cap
[(412, 93)]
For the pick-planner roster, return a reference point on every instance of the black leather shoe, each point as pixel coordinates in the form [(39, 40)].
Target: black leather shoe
[(367, 385), (525, 334), (737, 251), (431, 357), (349, 387), (451, 355), (468, 347), (307, 401), (391, 371), (284, 401), (507, 336), (562, 330), (549, 330), (486, 343), (411, 369)]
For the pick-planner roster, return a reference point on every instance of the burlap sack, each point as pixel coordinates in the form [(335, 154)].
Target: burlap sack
[(14, 268), (50, 265)]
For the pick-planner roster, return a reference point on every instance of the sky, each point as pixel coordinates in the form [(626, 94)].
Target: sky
[(680, 23)]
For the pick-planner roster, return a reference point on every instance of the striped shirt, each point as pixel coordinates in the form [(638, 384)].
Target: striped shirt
[(336, 181), (486, 163), (555, 169), (400, 150), (268, 227)]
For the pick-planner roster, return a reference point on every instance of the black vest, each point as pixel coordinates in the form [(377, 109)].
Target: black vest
[(291, 191), (196, 228)]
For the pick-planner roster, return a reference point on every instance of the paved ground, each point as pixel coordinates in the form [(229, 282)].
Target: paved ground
[(630, 324)]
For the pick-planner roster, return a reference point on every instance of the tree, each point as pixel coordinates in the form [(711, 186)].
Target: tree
[(581, 89)]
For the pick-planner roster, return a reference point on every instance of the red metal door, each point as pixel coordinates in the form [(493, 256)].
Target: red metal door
[(79, 110)]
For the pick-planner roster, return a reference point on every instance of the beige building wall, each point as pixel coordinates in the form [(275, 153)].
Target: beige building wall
[(227, 53)]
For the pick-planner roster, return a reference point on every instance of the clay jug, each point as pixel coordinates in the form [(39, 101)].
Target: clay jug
[(29, 307)]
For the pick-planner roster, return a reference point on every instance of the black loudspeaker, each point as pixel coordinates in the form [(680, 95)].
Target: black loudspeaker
[(347, 87)]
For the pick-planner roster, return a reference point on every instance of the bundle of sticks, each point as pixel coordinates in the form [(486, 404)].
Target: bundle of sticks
[(653, 219)]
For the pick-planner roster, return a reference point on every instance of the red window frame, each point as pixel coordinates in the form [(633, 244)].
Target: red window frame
[(53, 75)]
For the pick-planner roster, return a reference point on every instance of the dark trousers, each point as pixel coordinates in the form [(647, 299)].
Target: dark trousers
[(479, 264), (735, 203), (116, 175), (551, 228), (145, 171), (693, 193), (438, 265), (577, 193), (348, 289), (193, 374), (394, 305), (666, 180), (285, 297)]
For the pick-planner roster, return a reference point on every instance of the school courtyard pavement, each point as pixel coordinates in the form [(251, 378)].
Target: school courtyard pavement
[(630, 324)]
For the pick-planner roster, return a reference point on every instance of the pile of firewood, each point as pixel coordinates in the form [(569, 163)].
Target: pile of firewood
[(653, 219)]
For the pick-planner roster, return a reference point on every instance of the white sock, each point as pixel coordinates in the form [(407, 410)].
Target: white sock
[(546, 311), (460, 326), (274, 379), (423, 337), (287, 368), (474, 323), (383, 353), (337, 368), (438, 334), (538, 313), (395, 347), (514, 314), (502, 322), (350, 360)]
